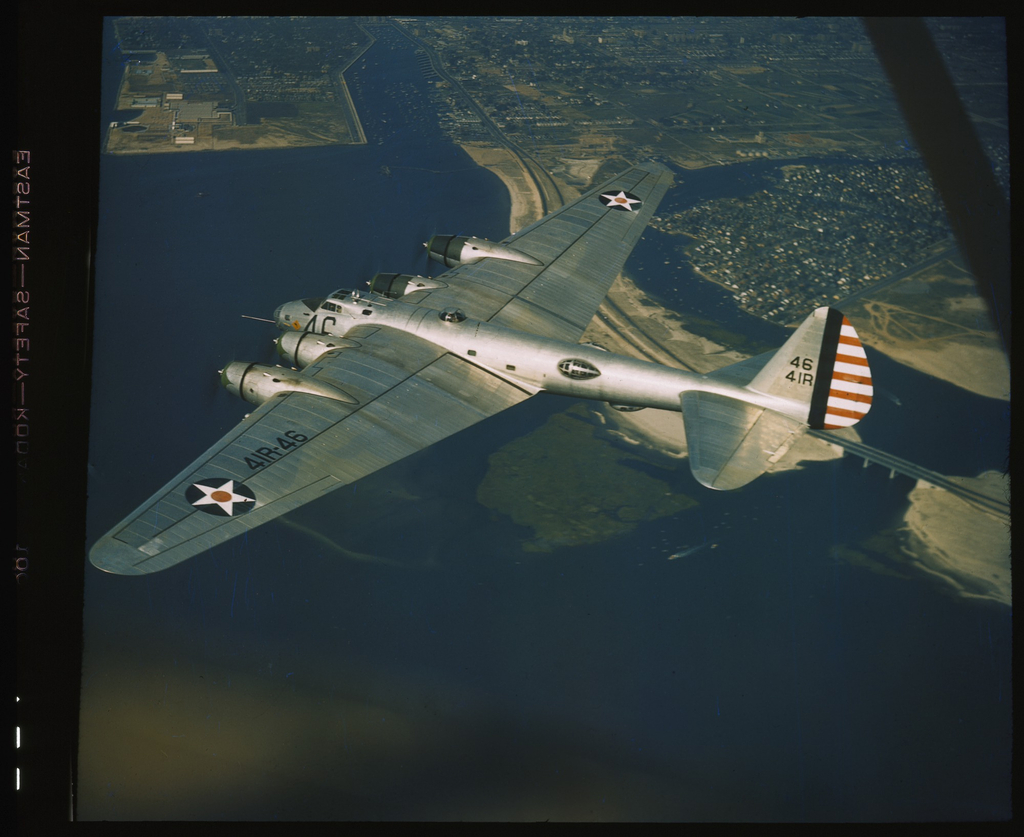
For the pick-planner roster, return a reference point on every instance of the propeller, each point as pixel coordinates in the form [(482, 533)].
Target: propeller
[(424, 264), (423, 261), (250, 346)]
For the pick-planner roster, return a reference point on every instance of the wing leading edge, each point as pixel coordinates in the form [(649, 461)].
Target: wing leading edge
[(581, 248), (400, 393), (297, 447)]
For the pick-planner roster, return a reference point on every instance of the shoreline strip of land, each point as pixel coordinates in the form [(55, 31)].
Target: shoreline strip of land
[(948, 538)]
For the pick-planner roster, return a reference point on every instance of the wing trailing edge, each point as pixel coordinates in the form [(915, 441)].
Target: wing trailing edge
[(298, 446)]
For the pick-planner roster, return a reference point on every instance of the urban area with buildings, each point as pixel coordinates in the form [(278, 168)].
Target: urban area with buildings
[(853, 208)]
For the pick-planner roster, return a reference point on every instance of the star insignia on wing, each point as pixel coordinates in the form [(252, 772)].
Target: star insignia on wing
[(622, 200), (221, 496)]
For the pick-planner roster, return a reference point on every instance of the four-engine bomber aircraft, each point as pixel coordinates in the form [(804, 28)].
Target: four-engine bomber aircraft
[(379, 375)]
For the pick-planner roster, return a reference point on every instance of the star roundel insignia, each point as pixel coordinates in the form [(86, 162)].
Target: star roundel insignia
[(623, 200), (221, 496)]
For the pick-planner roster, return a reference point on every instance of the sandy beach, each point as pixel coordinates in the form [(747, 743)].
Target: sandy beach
[(947, 334), (526, 201), (631, 323), (978, 368), (955, 541)]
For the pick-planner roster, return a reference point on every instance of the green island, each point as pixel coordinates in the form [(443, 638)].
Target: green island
[(573, 488)]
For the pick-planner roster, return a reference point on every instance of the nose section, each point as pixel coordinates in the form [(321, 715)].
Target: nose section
[(294, 315)]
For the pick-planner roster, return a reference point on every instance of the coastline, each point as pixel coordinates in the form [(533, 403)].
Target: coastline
[(700, 274), (526, 199), (972, 359), (946, 332), (958, 543), (945, 536), (981, 369), (632, 324), (661, 338), (156, 131)]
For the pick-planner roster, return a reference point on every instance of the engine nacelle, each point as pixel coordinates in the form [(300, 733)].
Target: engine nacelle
[(395, 285), (454, 250), (257, 383), (301, 348)]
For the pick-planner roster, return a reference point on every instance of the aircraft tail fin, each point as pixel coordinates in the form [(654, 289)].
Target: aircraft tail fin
[(820, 378), (822, 371)]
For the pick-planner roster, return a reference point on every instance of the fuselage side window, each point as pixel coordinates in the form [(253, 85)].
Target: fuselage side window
[(578, 369)]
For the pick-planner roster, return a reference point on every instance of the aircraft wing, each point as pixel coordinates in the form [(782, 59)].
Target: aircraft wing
[(581, 248), (398, 393), (403, 395)]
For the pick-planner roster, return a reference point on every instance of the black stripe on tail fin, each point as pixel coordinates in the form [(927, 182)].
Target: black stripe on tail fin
[(820, 376), (826, 366), (850, 388)]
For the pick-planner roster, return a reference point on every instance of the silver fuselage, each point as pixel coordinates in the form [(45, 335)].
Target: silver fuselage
[(534, 363)]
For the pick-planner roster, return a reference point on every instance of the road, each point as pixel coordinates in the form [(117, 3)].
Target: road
[(985, 502), (240, 112), (645, 347), (549, 191), (649, 349)]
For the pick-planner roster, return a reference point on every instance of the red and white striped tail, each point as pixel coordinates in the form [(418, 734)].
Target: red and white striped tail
[(850, 392), (820, 376)]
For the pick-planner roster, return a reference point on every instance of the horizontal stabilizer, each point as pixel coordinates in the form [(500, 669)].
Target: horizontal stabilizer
[(731, 442)]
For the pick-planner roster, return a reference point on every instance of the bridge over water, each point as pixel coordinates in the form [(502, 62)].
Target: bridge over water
[(991, 503)]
